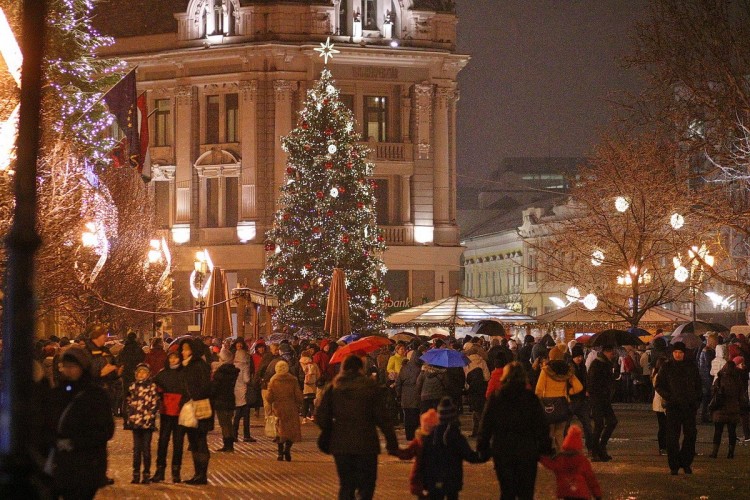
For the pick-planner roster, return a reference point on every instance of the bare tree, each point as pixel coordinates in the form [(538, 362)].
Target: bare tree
[(616, 237)]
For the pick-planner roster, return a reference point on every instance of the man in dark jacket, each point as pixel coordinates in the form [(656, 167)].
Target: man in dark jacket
[(600, 384), (131, 356), (351, 410), (679, 385), (524, 353), (579, 402), (222, 397), (406, 392)]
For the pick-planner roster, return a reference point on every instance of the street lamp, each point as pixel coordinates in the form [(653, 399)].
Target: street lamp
[(158, 253), (200, 280)]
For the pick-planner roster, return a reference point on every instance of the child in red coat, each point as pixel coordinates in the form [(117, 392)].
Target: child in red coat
[(428, 421), (575, 477)]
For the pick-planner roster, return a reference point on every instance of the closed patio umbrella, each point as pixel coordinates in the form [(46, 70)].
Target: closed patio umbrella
[(337, 309), (218, 316)]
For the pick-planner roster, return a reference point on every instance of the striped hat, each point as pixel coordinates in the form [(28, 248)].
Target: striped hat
[(447, 411)]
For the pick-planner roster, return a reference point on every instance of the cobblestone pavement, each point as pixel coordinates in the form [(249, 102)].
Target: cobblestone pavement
[(252, 471)]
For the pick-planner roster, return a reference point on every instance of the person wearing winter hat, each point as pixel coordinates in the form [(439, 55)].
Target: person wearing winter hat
[(558, 380), (222, 396), (285, 398), (573, 472), (679, 384), (141, 407), (83, 424)]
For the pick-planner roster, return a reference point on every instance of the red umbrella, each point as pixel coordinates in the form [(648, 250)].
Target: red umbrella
[(584, 339), (367, 344)]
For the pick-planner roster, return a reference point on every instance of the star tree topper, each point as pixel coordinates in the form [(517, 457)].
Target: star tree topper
[(326, 50)]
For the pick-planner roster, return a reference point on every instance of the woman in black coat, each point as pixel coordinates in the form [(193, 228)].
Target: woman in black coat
[(728, 397), (196, 375), (514, 432), (83, 425)]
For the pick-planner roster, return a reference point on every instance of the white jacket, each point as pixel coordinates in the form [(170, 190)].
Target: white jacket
[(719, 361)]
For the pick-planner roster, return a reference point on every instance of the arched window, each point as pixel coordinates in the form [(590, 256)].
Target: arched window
[(213, 17), (372, 14)]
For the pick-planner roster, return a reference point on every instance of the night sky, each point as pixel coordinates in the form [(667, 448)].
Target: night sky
[(540, 77)]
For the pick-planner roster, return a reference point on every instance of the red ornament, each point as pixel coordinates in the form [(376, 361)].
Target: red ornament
[(295, 243), (325, 101), (280, 281), (345, 238), (374, 289), (329, 213), (286, 216), (319, 194), (316, 230), (381, 239), (363, 181), (270, 246), (307, 147), (308, 266), (373, 315), (328, 131), (305, 126), (349, 165), (281, 270), (374, 184), (342, 190), (290, 171), (329, 165), (305, 286), (360, 205), (313, 304)]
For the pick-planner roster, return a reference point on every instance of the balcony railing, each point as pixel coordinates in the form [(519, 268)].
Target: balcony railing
[(390, 151), (398, 235)]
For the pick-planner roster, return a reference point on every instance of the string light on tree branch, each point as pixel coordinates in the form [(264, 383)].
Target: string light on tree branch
[(622, 204)]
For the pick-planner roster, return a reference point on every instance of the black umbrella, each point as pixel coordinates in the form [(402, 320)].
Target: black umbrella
[(614, 338), (700, 328), (488, 327)]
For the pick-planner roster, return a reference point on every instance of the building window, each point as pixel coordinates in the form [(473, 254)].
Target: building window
[(231, 113), (371, 15), (212, 119), (381, 202), (376, 117), (531, 311), (161, 204), (162, 122), (343, 18), (532, 271), (221, 203), (348, 101)]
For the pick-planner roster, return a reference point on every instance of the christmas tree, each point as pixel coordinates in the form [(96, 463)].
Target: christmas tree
[(326, 219)]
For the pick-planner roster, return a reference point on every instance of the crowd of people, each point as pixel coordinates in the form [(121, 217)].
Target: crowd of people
[(522, 397)]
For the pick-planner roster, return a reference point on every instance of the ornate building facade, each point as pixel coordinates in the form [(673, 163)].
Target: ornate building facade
[(224, 80)]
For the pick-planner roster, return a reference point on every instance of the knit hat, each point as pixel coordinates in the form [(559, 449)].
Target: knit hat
[(556, 353), (428, 421), (447, 410), (738, 360), (78, 355), (143, 366), (679, 346), (577, 350), (281, 367), (573, 440)]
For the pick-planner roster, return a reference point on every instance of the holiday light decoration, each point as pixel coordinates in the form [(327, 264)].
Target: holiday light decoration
[(590, 301), (622, 204), (597, 258), (326, 219), (677, 221)]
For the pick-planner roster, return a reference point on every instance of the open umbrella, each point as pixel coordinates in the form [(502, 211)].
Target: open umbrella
[(446, 358), (699, 328), (348, 339), (584, 339), (691, 340), (366, 344), (614, 338), (404, 337), (337, 308), (638, 332), (278, 337), (488, 327)]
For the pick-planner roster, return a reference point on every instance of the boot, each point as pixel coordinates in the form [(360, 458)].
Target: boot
[(715, 451), (136, 478), (227, 445), (146, 478), (176, 474), (288, 451), (158, 475), (281, 452), (201, 469), (730, 454)]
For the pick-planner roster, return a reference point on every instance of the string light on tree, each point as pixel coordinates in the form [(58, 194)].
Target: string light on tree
[(677, 221), (622, 204)]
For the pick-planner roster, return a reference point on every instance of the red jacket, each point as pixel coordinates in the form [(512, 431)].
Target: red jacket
[(494, 383), (575, 477), (414, 450)]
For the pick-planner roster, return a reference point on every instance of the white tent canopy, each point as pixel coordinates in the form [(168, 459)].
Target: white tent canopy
[(456, 310)]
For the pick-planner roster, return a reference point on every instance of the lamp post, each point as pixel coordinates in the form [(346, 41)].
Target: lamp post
[(158, 253), (200, 280)]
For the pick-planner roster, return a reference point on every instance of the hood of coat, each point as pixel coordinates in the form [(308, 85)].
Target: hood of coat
[(241, 357), (433, 371), (559, 370), (721, 351)]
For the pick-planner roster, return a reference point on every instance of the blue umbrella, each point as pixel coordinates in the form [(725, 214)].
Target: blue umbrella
[(446, 358), (348, 339)]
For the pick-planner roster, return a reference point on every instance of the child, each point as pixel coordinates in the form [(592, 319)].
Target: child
[(575, 478), (141, 405), (442, 454), (428, 421), (309, 386)]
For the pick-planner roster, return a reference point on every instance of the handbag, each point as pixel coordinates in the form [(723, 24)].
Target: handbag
[(270, 428), (202, 408), (717, 399), (557, 409), (187, 416)]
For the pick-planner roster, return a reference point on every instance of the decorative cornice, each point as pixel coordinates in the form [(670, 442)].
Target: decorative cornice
[(184, 94), (283, 90), (249, 89)]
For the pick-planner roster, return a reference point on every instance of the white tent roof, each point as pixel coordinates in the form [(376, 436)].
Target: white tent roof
[(456, 310)]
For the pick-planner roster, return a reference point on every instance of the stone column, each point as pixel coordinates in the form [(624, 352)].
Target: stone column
[(183, 134), (441, 166), (422, 201), (249, 138), (405, 119), (283, 93), (405, 215)]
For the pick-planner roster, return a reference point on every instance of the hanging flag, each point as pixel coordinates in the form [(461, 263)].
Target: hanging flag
[(121, 101), (145, 155)]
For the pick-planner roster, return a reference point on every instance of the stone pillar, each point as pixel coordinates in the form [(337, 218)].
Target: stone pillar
[(249, 138), (422, 201), (441, 166), (283, 94), (405, 215), (183, 136), (405, 118)]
